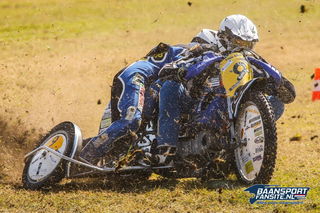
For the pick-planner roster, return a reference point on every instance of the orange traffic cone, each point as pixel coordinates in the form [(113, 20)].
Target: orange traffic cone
[(316, 89)]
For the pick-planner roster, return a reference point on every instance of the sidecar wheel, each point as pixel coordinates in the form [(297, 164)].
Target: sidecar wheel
[(255, 125), (44, 168)]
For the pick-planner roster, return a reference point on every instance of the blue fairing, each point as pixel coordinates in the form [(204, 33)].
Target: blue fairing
[(273, 72), (205, 61)]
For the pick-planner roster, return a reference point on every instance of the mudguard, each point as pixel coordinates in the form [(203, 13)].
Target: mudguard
[(238, 97), (76, 147)]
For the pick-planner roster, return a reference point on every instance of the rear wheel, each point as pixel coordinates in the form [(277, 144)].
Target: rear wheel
[(44, 168), (256, 129)]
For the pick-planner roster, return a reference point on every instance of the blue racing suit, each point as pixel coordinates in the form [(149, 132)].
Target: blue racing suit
[(128, 99)]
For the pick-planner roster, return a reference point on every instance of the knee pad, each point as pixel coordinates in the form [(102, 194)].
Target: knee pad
[(133, 117)]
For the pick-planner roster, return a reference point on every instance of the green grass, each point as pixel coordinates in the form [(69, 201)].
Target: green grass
[(155, 195), (35, 19), (53, 19)]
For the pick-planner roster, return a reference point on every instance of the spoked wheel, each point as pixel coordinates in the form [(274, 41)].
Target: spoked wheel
[(255, 128), (44, 168)]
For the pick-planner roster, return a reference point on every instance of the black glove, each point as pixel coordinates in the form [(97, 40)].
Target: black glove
[(286, 92), (169, 72)]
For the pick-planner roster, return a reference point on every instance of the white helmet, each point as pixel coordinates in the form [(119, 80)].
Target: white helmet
[(238, 31), (205, 36)]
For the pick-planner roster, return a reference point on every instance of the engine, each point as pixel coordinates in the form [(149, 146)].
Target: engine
[(199, 145)]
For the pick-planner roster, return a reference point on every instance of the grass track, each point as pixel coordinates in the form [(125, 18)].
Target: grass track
[(58, 57)]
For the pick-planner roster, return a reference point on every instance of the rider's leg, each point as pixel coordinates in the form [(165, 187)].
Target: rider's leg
[(106, 119), (173, 101), (130, 107), (151, 102)]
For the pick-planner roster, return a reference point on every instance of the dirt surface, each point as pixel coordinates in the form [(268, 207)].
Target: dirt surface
[(57, 60)]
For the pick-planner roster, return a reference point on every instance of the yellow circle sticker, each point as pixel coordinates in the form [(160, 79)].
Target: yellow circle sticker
[(55, 142)]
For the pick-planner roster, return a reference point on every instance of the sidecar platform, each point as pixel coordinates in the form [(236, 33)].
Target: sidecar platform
[(96, 168)]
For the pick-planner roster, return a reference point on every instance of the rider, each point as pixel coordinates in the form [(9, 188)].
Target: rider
[(128, 93), (236, 33), (133, 88), (133, 94)]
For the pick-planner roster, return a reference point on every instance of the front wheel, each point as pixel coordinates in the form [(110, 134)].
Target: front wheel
[(255, 128), (44, 168)]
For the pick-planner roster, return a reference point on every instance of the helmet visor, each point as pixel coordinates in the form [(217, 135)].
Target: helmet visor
[(243, 44)]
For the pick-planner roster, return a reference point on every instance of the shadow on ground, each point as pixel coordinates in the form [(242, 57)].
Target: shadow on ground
[(189, 184)]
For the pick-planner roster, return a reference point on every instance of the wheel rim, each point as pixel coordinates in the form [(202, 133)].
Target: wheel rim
[(249, 156), (43, 163)]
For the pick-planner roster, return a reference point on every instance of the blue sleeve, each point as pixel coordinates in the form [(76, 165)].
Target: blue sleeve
[(188, 67)]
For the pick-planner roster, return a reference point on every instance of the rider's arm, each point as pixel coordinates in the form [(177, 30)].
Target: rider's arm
[(200, 49), (188, 68), (278, 85)]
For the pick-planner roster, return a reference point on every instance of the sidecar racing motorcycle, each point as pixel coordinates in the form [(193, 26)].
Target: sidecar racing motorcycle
[(249, 150)]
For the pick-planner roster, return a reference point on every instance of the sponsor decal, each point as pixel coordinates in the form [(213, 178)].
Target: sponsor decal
[(253, 111), (106, 119), (55, 143), (259, 139), (229, 62), (257, 134), (159, 57), (138, 80), (245, 118), (249, 167), (273, 194), (234, 86), (254, 125), (257, 129), (257, 158), (259, 149), (245, 158), (131, 111), (141, 98), (52, 159), (254, 119)]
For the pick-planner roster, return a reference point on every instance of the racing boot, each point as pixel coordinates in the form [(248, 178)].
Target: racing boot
[(85, 141), (91, 152)]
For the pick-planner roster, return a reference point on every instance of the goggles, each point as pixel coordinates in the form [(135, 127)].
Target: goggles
[(242, 43)]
